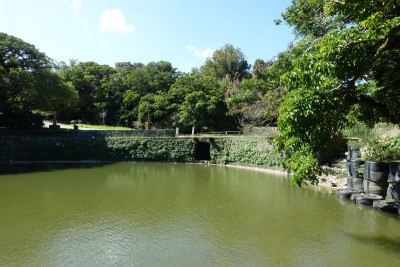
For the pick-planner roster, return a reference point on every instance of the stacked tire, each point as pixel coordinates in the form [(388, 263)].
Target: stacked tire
[(355, 178), (376, 178), (393, 190), (353, 153)]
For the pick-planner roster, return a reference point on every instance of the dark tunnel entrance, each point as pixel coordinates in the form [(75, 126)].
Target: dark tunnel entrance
[(202, 151)]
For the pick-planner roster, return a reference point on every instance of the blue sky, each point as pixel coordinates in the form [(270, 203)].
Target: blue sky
[(183, 32)]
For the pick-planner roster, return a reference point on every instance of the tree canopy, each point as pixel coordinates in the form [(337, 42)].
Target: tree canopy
[(349, 72), (201, 103), (228, 63), (256, 101), (28, 83)]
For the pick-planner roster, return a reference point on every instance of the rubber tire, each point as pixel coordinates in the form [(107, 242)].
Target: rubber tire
[(394, 172), (371, 187), (393, 191), (350, 174), (349, 182), (376, 171), (355, 164), (353, 153), (357, 183)]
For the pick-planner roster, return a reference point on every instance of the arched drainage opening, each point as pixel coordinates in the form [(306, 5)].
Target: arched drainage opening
[(202, 151)]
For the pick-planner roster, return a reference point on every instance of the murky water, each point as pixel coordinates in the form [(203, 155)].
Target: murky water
[(184, 215)]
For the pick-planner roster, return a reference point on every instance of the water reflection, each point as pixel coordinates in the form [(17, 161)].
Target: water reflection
[(180, 215), (386, 242)]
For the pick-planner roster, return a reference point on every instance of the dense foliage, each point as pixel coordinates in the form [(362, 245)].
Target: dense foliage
[(224, 95), (378, 143), (343, 68), (256, 101), (349, 72), (130, 94), (227, 63), (28, 84)]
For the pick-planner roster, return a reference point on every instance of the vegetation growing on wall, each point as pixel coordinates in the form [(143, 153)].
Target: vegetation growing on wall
[(249, 150), (223, 150), (96, 148)]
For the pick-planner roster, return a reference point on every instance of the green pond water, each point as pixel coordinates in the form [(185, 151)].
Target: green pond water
[(149, 214)]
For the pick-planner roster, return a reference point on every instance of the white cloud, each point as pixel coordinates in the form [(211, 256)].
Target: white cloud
[(76, 4), (84, 24), (113, 20), (206, 53)]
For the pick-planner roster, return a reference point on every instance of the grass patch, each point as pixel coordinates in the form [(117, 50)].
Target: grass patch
[(100, 127)]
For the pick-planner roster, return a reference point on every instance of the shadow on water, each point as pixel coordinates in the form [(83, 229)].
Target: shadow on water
[(33, 151), (388, 243), (38, 151), (32, 168)]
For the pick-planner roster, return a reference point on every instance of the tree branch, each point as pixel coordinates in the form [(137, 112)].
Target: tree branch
[(348, 2), (383, 48)]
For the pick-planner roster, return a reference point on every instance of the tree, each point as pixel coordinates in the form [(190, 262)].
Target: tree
[(55, 95), (138, 81), (256, 101), (123, 66), (193, 100), (129, 110), (20, 63), (349, 72), (227, 62), (159, 107), (198, 101), (310, 17), (28, 83), (96, 91)]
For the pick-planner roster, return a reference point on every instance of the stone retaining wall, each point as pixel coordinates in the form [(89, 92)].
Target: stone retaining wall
[(103, 145)]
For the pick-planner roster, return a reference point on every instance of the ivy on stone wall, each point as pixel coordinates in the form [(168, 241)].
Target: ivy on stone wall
[(97, 148), (223, 150), (249, 150)]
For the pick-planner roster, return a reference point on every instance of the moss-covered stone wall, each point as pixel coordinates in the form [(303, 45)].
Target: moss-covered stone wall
[(96, 148), (223, 150), (250, 150)]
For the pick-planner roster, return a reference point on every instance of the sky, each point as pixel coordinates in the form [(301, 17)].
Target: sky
[(183, 32)]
